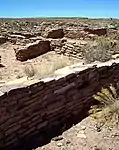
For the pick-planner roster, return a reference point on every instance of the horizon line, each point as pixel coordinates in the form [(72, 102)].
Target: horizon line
[(58, 17)]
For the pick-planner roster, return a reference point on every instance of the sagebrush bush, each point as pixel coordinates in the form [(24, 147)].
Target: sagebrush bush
[(102, 50), (61, 62), (29, 70), (107, 112), (115, 24), (47, 68)]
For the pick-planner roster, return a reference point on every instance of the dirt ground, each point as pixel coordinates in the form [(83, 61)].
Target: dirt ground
[(14, 69), (86, 135)]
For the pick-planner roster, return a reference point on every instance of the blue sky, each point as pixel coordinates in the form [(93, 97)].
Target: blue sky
[(59, 8)]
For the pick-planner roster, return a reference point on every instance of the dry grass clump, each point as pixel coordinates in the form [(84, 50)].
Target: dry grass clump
[(102, 50), (108, 111), (1, 77), (46, 67), (60, 62), (29, 70)]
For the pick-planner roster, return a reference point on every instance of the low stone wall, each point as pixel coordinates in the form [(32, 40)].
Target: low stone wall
[(76, 34), (31, 110), (60, 46), (72, 49), (32, 50), (85, 33), (97, 31)]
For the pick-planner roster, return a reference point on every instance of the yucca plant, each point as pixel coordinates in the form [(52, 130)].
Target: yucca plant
[(107, 112)]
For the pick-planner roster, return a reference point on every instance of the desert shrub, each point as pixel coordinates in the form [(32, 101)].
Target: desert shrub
[(1, 77), (47, 68), (115, 24), (19, 76), (102, 50), (61, 62), (29, 70), (107, 112)]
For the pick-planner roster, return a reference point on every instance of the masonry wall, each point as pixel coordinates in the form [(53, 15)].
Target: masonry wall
[(71, 49), (27, 111)]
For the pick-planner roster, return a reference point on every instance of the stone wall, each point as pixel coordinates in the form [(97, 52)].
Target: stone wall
[(71, 48), (32, 50), (76, 34), (85, 33), (39, 108), (97, 31)]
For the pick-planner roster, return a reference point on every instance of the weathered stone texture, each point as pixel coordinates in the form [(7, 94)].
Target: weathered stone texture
[(85, 33), (97, 31), (24, 112), (32, 50), (76, 34), (69, 48), (55, 34), (3, 39)]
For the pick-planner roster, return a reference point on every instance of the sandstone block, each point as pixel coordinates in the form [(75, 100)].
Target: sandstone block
[(3, 39), (32, 50), (55, 34), (97, 31)]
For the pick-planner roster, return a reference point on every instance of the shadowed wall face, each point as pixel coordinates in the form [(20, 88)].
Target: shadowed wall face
[(38, 108), (33, 50)]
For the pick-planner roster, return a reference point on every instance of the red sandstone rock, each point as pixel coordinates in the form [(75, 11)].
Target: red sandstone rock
[(32, 50), (97, 31), (3, 39), (55, 34)]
